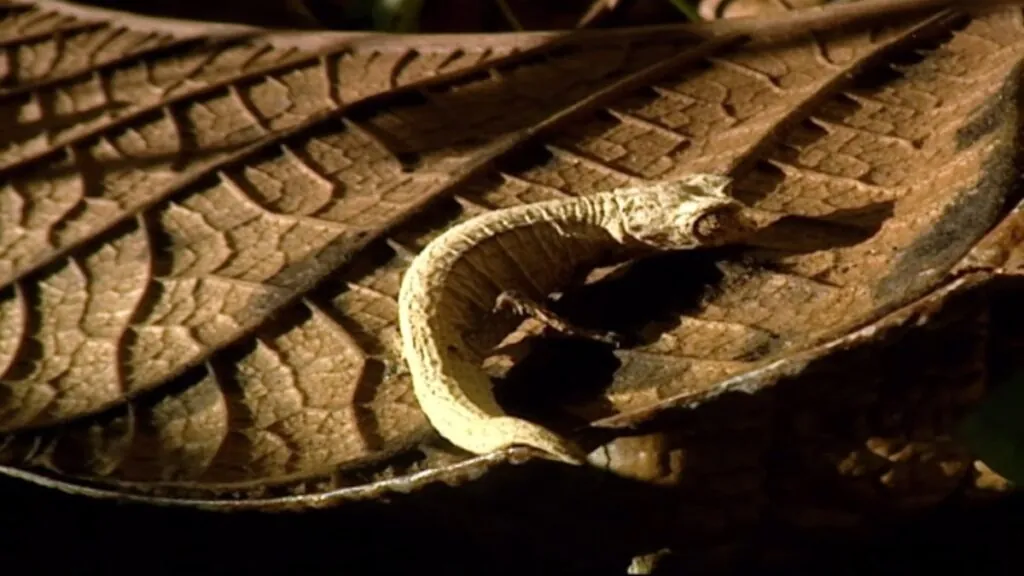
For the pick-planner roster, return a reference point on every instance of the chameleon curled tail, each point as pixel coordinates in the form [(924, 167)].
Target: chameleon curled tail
[(450, 385), (519, 432), (455, 395)]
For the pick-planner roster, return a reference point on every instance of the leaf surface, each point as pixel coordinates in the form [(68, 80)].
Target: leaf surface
[(203, 229)]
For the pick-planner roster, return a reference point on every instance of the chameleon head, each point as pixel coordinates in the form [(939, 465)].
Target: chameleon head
[(687, 213)]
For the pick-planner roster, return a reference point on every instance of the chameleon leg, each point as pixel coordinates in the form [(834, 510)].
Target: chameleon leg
[(523, 305)]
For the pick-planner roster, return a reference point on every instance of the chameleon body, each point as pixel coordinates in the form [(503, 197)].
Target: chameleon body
[(450, 288)]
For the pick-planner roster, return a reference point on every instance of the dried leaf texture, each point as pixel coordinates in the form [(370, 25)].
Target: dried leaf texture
[(140, 246), (916, 163), (199, 283)]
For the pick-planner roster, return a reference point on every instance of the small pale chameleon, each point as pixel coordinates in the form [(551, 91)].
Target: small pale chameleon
[(453, 285)]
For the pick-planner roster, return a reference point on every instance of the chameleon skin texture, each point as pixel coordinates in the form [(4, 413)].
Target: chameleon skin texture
[(450, 289)]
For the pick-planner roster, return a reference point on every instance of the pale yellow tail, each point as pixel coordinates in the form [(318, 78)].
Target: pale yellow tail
[(525, 433)]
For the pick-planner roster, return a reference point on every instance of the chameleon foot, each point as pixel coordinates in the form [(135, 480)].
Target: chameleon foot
[(523, 305)]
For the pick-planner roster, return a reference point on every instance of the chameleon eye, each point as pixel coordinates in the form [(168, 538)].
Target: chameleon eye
[(705, 227), (719, 224)]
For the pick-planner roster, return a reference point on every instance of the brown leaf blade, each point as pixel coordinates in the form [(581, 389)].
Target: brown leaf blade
[(214, 316), (924, 143), (198, 248)]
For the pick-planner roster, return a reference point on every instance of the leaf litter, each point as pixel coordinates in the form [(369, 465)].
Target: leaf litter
[(203, 229)]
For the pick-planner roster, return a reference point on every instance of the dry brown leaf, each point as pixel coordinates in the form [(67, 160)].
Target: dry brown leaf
[(713, 9), (203, 228)]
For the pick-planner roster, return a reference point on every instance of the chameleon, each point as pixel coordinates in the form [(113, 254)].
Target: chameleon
[(453, 287)]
